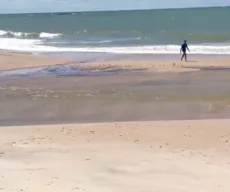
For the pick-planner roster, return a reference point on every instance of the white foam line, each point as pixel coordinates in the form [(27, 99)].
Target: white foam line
[(34, 45)]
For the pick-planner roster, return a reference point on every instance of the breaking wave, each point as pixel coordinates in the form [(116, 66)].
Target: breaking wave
[(36, 45), (42, 35)]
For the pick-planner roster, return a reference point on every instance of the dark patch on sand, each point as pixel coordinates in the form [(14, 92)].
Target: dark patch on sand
[(122, 97)]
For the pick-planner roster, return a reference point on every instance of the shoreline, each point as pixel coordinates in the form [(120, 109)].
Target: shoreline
[(18, 61)]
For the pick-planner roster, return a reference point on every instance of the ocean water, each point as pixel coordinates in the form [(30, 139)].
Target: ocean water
[(148, 31)]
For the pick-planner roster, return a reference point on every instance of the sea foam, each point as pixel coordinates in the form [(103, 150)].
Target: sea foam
[(36, 45), (41, 35)]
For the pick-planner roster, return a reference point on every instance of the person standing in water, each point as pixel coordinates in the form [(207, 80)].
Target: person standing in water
[(184, 48)]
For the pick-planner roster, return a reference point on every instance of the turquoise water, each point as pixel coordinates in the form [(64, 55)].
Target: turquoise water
[(148, 31)]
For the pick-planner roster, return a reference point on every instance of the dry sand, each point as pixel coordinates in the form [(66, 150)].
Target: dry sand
[(175, 156), (17, 60)]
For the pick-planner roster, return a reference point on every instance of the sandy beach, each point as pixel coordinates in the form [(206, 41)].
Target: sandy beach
[(172, 156), (94, 96), (160, 66), (16, 60), (134, 131)]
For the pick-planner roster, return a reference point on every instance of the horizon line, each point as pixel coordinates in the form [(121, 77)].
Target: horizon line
[(115, 10)]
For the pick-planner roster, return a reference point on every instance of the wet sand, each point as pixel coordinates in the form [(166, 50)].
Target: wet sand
[(159, 66), (121, 97)]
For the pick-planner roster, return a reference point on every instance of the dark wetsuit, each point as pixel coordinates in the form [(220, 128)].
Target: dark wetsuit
[(184, 47)]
